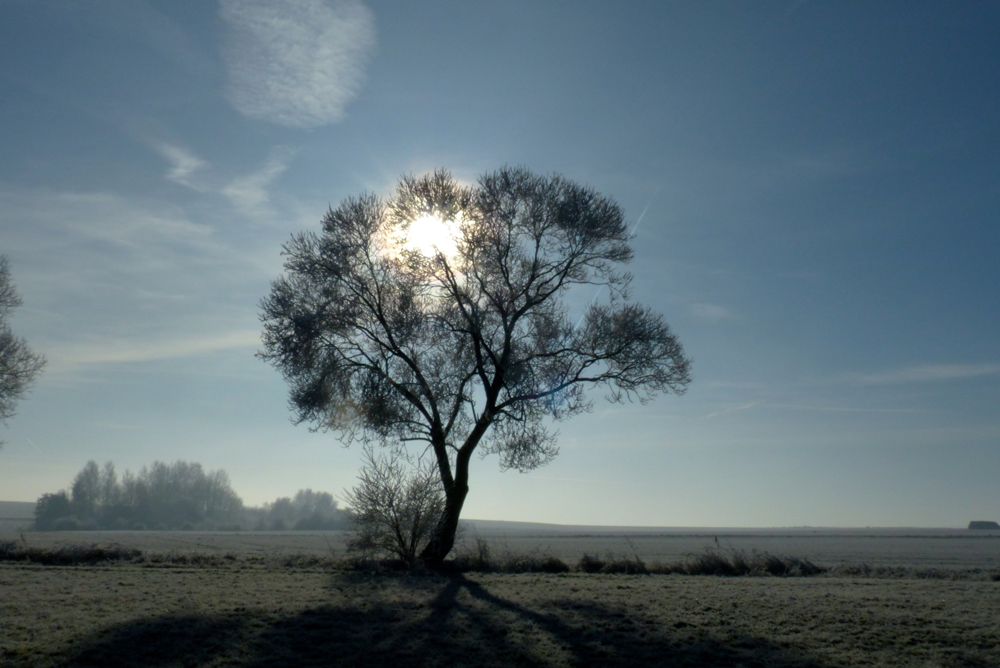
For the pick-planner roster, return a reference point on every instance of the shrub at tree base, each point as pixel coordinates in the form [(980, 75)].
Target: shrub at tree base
[(395, 507)]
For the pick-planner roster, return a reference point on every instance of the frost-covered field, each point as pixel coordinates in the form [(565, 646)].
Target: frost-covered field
[(250, 605), (240, 615), (918, 548)]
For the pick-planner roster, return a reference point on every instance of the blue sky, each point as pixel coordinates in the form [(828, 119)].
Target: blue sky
[(817, 185)]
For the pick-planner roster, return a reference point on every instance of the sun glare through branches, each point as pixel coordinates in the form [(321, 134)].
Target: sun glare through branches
[(431, 235)]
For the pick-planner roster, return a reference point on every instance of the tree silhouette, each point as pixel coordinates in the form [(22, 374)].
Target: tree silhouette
[(468, 346), (19, 366)]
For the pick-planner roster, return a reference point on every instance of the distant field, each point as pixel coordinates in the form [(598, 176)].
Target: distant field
[(16, 515), (915, 548), (17, 509)]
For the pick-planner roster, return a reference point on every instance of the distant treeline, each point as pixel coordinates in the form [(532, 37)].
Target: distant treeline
[(307, 510), (181, 495)]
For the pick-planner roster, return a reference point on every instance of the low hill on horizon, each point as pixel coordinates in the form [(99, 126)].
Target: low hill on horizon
[(17, 510), (494, 527)]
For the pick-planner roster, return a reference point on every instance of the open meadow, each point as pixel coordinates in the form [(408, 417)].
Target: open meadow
[(887, 548), (245, 599)]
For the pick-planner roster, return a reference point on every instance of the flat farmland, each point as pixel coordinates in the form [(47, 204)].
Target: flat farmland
[(907, 548), (913, 548), (252, 615), (261, 605)]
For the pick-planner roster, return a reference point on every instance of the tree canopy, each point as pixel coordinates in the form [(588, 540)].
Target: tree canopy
[(19, 366), (469, 346)]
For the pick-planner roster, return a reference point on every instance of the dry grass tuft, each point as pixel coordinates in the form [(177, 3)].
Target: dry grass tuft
[(730, 562), (612, 564), (482, 558), (710, 562), (866, 571)]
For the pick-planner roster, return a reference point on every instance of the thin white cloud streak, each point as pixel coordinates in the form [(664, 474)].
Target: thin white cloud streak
[(727, 411), (37, 449), (110, 279), (842, 409), (296, 63), (249, 194), (799, 407), (71, 358), (631, 234), (928, 373), (183, 163), (65, 219), (711, 313)]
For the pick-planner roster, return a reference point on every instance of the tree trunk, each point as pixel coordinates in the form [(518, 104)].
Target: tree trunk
[(455, 491), (443, 538)]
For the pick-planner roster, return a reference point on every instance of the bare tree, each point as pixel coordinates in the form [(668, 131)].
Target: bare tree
[(469, 346), (395, 506), (19, 366)]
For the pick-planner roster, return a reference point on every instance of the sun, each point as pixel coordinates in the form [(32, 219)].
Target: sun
[(431, 235)]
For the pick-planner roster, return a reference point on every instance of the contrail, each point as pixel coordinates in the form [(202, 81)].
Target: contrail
[(36, 447), (727, 411), (632, 233)]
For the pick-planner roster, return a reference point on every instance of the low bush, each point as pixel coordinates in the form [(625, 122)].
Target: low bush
[(66, 555), (730, 562), (612, 564), (66, 524), (590, 564)]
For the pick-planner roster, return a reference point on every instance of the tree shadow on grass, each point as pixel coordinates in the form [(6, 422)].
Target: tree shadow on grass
[(447, 628), (171, 640)]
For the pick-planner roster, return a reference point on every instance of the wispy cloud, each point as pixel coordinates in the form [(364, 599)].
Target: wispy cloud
[(731, 409), (113, 279), (249, 194), (711, 312), (768, 405), (183, 163), (42, 217), (842, 409), (296, 62), (927, 373), (70, 358)]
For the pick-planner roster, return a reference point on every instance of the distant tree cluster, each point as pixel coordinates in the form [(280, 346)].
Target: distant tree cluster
[(181, 495), (306, 511)]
